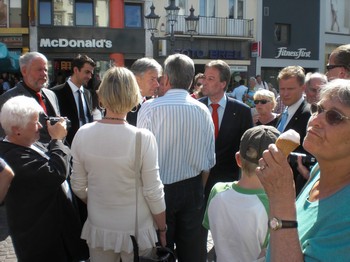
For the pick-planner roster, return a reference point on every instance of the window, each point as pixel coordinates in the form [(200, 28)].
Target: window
[(73, 12), (45, 12), (282, 34), (236, 9), (15, 13), (182, 5), (207, 8), (133, 15), (84, 13)]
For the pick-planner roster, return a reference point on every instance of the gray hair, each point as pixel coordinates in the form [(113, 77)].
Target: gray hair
[(17, 111), (309, 76), (337, 89), (252, 78), (180, 70), (142, 65), (26, 59)]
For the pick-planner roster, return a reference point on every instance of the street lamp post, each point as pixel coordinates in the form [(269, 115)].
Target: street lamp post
[(172, 11)]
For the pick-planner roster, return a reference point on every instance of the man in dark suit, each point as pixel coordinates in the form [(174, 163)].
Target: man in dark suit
[(75, 101), (147, 71), (291, 80), (234, 118), (34, 68)]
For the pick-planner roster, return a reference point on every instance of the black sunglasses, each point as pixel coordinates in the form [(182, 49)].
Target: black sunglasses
[(262, 101), (330, 67), (333, 117)]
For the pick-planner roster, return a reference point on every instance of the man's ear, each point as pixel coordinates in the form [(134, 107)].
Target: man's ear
[(238, 159)]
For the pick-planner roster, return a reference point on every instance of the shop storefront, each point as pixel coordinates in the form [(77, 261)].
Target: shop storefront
[(62, 44)]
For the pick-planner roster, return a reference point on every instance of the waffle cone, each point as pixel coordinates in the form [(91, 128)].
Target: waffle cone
[(286, 146)]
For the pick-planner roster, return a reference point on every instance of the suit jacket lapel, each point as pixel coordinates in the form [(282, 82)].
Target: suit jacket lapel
[(296, 115)]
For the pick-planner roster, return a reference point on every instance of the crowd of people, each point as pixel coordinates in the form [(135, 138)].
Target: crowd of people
[(164, 154)]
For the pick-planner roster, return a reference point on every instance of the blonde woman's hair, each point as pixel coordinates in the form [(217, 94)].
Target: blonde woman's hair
[(119, 91), (266, 94)]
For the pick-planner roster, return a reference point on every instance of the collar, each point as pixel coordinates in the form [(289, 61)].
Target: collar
[(31, 91), (293, 108), (73, 87), (222, 101)]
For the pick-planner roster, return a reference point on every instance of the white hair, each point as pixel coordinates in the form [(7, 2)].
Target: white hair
[(17, 111)]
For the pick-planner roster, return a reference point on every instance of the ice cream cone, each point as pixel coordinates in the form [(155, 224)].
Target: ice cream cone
[(286, 146)]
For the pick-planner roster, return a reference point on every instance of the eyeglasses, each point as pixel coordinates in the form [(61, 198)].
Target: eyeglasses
[(330, 67), (262, 101), (333, 117)]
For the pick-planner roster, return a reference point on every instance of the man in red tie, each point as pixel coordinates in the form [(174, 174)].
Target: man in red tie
[(231, 119), (34, 69)]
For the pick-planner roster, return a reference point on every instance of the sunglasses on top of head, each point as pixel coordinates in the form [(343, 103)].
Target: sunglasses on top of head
[(262, 101), (333, 117)]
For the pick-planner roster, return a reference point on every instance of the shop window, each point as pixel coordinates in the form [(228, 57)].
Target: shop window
[(282, 34), (133, 15)]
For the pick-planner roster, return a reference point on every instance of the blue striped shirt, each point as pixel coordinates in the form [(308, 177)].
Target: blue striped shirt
[(184, 131)]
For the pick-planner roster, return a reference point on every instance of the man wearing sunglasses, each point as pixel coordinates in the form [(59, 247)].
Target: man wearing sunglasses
[(339, 63), (291, 80)]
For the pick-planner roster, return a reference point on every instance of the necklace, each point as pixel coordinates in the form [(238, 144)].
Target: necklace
[(115, 118)]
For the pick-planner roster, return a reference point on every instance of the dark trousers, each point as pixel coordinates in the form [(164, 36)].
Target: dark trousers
[(184, 214)]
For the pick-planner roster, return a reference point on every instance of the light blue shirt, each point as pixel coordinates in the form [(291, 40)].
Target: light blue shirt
[(184, 131), (239, 91)]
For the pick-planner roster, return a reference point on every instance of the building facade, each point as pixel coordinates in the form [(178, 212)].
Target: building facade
[(299, 33), (252, 36)]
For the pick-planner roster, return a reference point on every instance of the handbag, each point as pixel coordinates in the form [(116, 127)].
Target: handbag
[(159, 253)]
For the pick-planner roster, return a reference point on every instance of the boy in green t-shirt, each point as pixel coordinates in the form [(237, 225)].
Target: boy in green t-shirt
[(237, 212)]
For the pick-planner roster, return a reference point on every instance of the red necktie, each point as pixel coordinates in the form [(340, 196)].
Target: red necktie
[(215, 117), (41, 101)]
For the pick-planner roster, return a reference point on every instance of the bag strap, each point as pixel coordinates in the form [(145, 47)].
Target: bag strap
[(137, 176), (137, 168)]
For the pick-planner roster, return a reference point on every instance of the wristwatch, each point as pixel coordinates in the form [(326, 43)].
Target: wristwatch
[(275, 223)]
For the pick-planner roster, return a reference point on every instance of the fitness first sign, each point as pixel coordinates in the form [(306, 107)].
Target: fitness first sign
[(96, 40), (301, 53)]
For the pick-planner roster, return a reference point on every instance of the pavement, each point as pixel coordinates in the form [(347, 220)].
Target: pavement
[(7, 253)]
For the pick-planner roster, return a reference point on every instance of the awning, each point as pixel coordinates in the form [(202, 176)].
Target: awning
[(9, 62)]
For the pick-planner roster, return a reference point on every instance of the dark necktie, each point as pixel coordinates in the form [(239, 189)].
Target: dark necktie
[(41, 101), (82, 117), (215, 117)]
